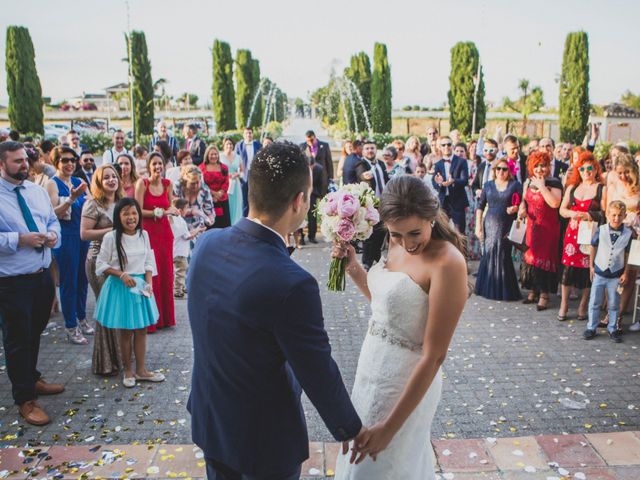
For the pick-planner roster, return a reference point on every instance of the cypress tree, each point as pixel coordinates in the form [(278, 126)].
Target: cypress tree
[(223, 93), (464, 66), (23, 84), (381, 90), (244, 87), (574, 88), (142, 85), (359, 72), (258, 110)]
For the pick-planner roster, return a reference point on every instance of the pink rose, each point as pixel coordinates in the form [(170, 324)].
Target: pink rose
[(372, 215), (346, 230), (347, 205), (331, 205)]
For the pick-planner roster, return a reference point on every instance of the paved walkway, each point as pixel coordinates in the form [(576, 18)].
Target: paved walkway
[(614, 456)]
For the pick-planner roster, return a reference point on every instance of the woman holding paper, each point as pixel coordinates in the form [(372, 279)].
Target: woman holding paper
[(497, 279), (583, 206), (542, 197)]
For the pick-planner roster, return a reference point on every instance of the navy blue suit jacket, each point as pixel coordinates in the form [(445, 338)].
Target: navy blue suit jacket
[(349, 174), (258, 336), (459, 171), (241, 149)]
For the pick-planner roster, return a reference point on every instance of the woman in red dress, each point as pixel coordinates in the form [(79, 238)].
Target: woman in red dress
[(542, 196), (582, 201), (216, 176), (154, 194)]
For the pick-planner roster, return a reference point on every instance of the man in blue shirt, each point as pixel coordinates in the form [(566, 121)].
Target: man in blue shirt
[(29, 230)]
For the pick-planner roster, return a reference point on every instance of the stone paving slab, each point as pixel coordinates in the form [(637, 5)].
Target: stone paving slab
[(457, 459), (509, 373)]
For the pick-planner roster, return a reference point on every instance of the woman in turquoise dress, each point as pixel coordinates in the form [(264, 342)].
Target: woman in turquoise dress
[(233, 163)]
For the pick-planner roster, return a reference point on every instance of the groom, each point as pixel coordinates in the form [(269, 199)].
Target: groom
[(258, 334)]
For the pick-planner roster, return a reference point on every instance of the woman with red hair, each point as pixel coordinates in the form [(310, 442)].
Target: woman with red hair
[(582, 201), (542, 197)]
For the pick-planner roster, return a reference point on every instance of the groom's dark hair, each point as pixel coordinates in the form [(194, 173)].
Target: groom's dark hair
[(278, 173)]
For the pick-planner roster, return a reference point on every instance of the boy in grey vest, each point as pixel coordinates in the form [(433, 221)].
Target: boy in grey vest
[(608, 260)]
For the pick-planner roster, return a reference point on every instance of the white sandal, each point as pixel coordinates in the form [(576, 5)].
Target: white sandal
[(156, 377), (129, 382)]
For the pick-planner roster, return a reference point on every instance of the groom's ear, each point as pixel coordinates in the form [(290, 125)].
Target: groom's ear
[(298, 201)]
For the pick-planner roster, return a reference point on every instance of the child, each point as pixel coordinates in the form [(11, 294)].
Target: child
[(609, 253), (181, 245), (421, 171), (126, 300)]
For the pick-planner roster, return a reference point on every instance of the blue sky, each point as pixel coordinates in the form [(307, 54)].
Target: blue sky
[(79, 44)]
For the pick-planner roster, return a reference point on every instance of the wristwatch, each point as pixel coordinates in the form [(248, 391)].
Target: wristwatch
[(68, 201)]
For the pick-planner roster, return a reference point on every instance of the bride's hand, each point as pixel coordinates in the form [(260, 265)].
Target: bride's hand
[(376, 439), (344, 250)]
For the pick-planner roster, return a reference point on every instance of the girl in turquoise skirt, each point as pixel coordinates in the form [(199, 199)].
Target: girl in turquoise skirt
[(126, 300)]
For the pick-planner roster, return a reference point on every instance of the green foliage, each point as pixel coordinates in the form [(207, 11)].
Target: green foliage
[(359, 72), (244, 87), (602, 149), (631, 100), (192, 98), (574, 88), (381, 90), (223, 97), (531, 100), (274, 129), (23, 85), (280, 106), (327, 103), (464, 67), (256, 118), (142, 84)]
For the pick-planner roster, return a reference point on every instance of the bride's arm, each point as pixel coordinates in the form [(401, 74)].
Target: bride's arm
[(355, 270), (447, 295)]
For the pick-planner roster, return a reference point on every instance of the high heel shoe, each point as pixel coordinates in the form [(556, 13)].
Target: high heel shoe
[(530, 300), (542, 306), (75, 337), (85, 328)]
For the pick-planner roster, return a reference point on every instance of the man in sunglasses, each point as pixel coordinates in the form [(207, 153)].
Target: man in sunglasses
[(451, 176), (86, 166), (515, 158), (489, 154)]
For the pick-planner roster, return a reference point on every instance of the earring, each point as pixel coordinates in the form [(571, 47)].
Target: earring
[(433, 223)]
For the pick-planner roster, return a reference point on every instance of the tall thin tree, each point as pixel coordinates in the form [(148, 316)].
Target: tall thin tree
[(359, 72), (223, 92), (574, 88), (142, 84), (464, 70), (23, 85), (244, 87), (381, 90)]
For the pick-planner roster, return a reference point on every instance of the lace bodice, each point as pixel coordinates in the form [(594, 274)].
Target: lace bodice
[(399, 307)]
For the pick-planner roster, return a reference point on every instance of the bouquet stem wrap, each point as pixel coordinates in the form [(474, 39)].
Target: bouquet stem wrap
[(337, 275)]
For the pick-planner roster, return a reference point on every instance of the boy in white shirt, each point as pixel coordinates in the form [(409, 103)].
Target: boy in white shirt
[(181, 246)]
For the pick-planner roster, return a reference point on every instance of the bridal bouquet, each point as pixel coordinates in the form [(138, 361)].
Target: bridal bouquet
[(346, 215)]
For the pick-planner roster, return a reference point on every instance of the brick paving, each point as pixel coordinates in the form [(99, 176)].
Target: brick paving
[(511, 372)]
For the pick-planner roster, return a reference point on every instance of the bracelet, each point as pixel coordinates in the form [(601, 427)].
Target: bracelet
[(122, 275)]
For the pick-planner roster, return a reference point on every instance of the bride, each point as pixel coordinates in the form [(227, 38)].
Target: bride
[(417, 295)]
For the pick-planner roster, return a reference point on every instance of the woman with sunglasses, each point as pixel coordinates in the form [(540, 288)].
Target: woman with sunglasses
[(497, 279), (582, 201), (67, 195), (541, 200)]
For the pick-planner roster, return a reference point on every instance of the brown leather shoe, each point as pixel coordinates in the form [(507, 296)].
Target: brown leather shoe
[(33, 413), (44, 388)]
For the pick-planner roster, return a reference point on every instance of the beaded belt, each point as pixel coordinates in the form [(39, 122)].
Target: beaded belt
[(382, 332)]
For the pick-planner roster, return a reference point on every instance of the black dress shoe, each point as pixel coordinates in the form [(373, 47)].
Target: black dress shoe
[(302, 242), (313, 240), (615, 337), (589, 334)]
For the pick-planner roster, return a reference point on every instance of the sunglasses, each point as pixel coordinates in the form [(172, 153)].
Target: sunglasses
[(502, 169), (489, 150), (446, 144), (90, 160), (586, 168), (68, 160)]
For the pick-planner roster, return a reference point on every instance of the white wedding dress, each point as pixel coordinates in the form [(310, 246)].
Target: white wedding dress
[(391, 350)]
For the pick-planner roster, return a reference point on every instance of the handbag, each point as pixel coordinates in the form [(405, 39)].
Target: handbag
[(634, 253), (517, 232), (586, 231)]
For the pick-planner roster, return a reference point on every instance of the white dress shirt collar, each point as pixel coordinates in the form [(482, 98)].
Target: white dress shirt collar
[(256, 220)]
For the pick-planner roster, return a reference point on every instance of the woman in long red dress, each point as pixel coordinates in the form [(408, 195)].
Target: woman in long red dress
[(582, 201), (216, 176), (154, 194), (542, 197)]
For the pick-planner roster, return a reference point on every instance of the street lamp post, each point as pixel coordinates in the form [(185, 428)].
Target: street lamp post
[(476, 83), (131, 94)]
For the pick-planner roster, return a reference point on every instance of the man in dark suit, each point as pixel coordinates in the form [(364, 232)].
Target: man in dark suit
[(258, 335), (370, 170), (349, 167), (483, 175), (317, 179), (516, 159), (321, 153), (194, 144), (86, 166), (247, 149), (558, 168), (450, 178)]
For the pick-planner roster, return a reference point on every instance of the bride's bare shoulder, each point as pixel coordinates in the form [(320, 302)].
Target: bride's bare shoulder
[(445, 255)]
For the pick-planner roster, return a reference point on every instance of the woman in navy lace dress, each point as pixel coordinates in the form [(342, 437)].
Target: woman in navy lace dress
[(497, 279)]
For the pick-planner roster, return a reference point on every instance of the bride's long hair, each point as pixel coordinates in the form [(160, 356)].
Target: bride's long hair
[(407, 196)]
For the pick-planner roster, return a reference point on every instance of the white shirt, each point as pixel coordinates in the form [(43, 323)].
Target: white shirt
[(111, 155), (173, 174), (181, 242), (447, 167), (255, 220), (140, 257), (380, 175), (250, 154)]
